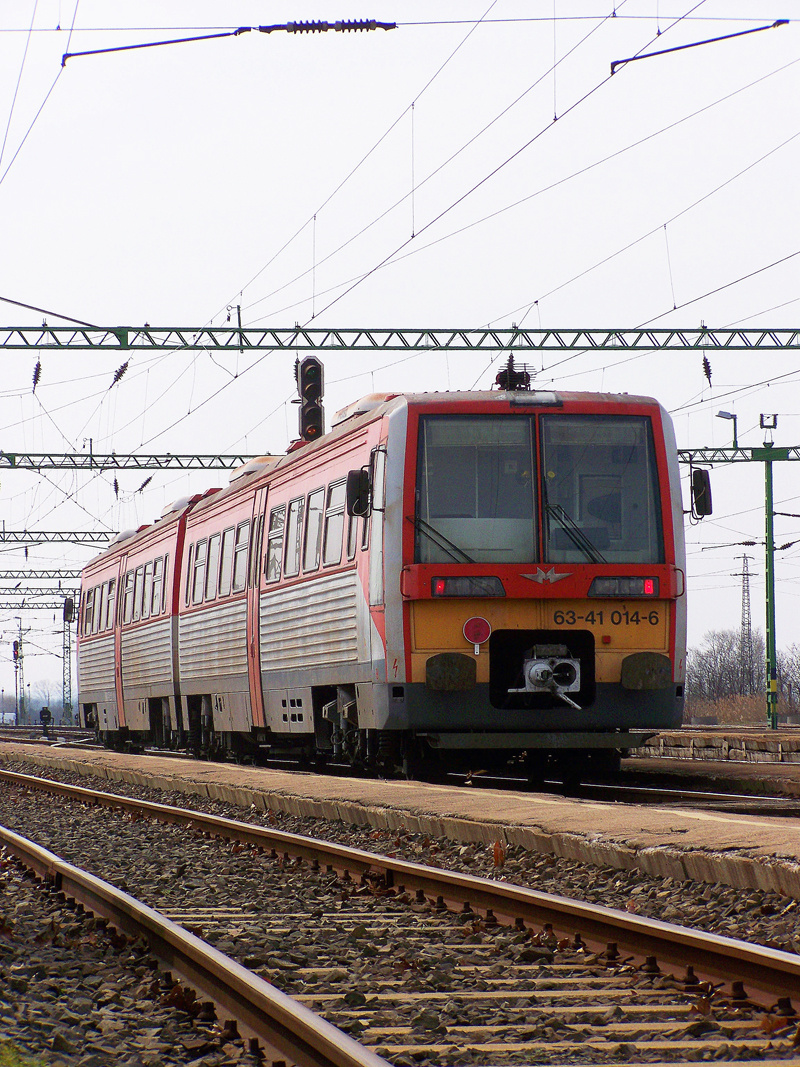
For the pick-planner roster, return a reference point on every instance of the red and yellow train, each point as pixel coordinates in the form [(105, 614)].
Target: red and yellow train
[(444, 580)]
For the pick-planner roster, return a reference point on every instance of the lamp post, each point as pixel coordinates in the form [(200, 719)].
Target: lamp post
[(730, 416)]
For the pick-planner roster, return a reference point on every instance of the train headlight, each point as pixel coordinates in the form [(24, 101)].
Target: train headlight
[(623, 587)]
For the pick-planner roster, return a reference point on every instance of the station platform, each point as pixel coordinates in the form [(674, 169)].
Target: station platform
[(748, 852), (750, 745)]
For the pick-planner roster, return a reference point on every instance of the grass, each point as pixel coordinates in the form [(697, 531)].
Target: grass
[(12, 1056)]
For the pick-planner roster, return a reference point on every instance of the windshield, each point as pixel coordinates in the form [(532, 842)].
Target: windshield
[(475, 490), (600, 490)]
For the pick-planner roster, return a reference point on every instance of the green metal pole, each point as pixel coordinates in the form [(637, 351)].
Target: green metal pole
[(772, 663)]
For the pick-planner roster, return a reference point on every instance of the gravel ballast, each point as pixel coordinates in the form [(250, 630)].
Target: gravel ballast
[(177, 871)]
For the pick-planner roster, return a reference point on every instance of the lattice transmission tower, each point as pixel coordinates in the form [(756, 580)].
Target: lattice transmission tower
[(746, 658)]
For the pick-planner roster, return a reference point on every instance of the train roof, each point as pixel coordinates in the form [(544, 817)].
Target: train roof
[(360, 413)]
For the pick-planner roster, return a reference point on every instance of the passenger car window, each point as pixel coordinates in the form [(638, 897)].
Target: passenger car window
[(316, 503), (199, 579), (277, 521), (127, 608), (147, 594), (334, 524), (294, 529), (212, 567), (108, 620), (158, 578), (240, 556), (226, 568)]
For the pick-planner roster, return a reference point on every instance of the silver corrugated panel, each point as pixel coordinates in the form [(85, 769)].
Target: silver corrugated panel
[(214, 641), (147, 654), (96, 664), (312, 624)]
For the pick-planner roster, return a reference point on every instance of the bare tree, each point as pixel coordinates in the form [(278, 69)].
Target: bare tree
[(718, 669)]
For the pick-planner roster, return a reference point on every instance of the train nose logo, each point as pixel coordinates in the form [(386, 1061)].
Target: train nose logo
[(547, 576)]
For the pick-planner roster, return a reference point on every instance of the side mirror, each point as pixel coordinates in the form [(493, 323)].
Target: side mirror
[(701, 493), (359, 492)]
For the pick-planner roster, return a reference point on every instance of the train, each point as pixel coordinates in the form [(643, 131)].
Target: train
[(445, 581)]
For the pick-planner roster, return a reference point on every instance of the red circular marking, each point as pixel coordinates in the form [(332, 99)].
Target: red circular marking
[(477, 630)]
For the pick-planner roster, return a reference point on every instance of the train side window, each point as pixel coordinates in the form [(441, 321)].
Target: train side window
[(314, 511), (127, 609), (255, 550), (156, 588), (165, 584), (199, 576), (108, 619), (212, 568), (294, 529), (240, 556), (100, 614), (137, 594), (352, 536), (147, 592), (272, 564), (87, 610), (334, 525), (226, 565), (188, 585), (365, 533)]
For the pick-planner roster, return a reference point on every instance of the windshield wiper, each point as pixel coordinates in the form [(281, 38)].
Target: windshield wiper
[(575, 533), (439, 539)]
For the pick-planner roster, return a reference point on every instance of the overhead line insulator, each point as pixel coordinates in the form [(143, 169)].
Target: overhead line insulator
[(319, 26)]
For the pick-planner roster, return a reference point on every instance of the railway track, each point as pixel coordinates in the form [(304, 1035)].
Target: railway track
[(428, 966)]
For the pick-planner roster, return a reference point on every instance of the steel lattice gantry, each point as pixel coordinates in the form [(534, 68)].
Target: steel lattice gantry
[(79, 461), (34, 605), (311, 339), (36, 576), (738, 455), (61, 537)]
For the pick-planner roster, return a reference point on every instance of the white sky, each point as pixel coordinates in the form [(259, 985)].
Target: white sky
[(279, 171)]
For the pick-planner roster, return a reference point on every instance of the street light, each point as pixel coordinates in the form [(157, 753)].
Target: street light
[(730, 416)]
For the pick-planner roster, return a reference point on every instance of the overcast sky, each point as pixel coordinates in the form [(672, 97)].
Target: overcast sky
[(476, 166)]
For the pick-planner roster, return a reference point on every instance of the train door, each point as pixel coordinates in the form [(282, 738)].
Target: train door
[(376, 582), (253, 608), (122, 597)]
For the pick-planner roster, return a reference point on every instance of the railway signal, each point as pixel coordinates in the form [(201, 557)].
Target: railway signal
[(311, 385)]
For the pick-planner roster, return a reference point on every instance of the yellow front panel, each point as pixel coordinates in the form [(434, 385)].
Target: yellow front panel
[(628, 625)]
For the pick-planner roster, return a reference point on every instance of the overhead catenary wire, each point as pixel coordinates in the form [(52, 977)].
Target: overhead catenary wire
[(417, 96), (696, 44), (341, 26), (19, 80), (41, 108)]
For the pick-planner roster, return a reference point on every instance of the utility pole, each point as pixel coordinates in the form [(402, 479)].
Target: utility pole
[(66, 652), (19, 677), (767, 455), (769, 423)]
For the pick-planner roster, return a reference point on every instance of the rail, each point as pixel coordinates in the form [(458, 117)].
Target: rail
[(767, 972), (261, 1010)]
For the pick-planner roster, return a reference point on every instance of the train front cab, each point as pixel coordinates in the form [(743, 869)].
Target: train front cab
[(541, 579)]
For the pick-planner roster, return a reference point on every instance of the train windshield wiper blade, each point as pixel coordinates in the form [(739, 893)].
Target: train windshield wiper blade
[(575, 533), (439, 539)]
